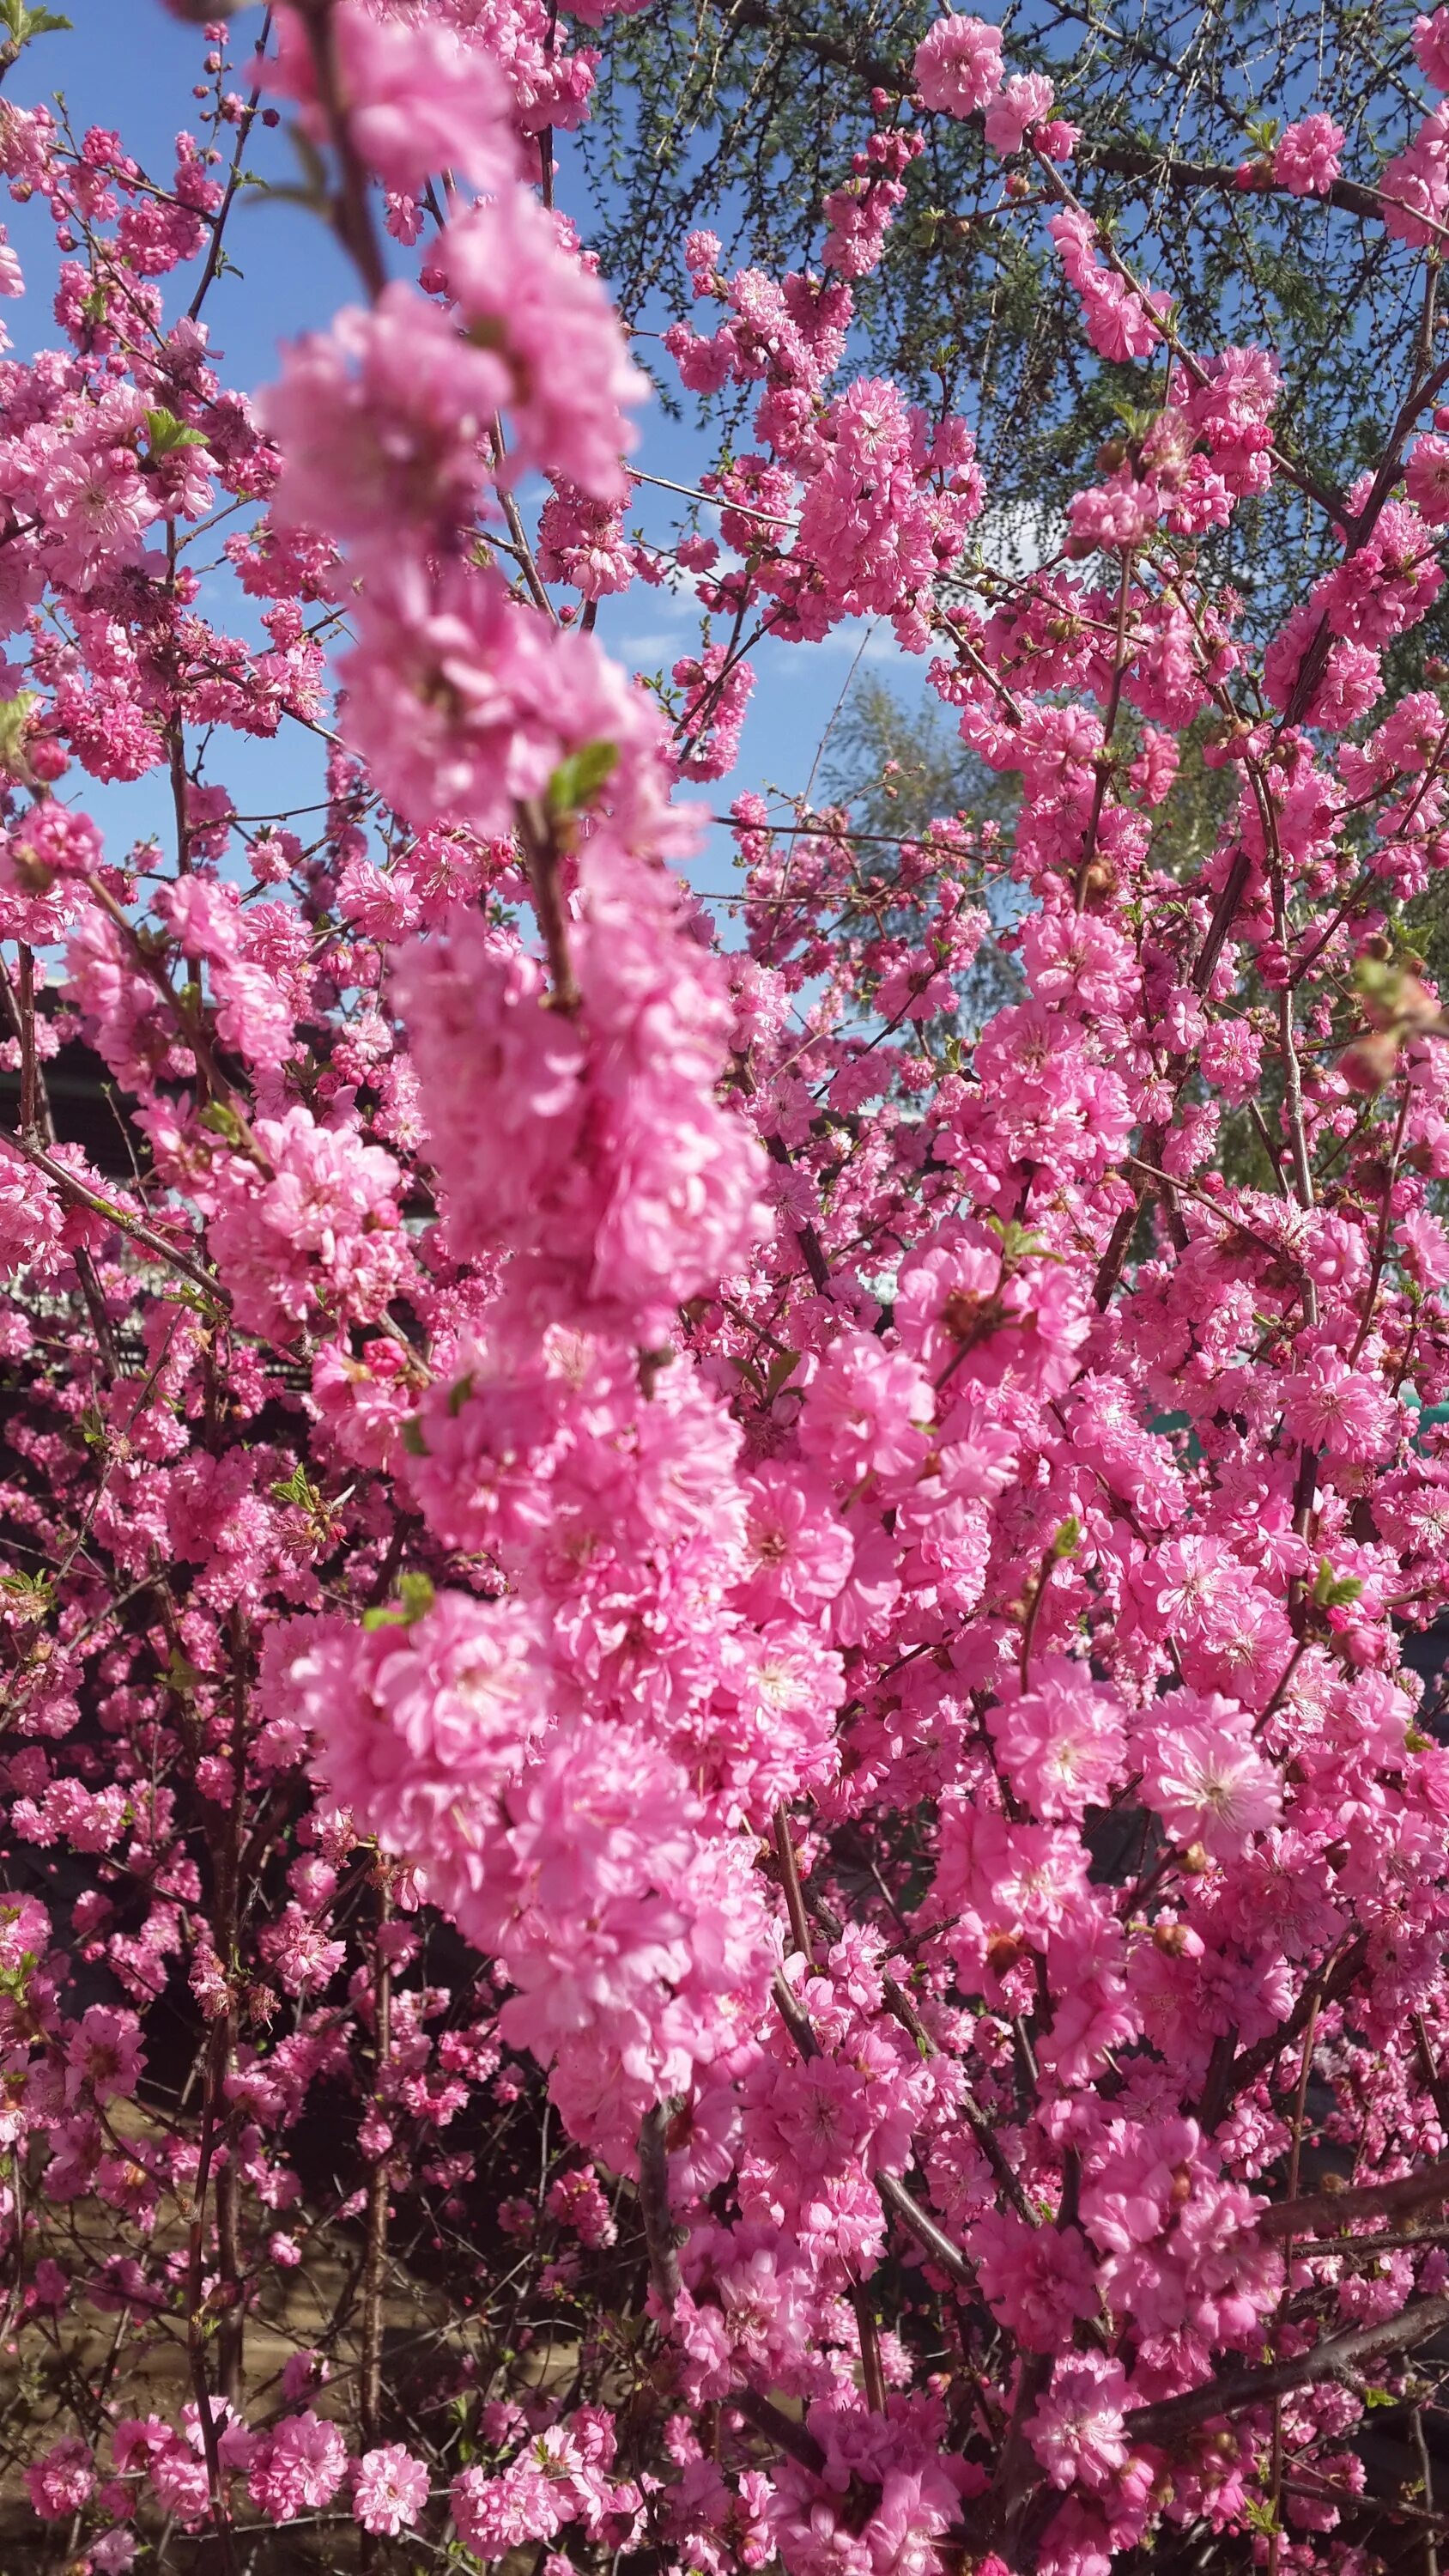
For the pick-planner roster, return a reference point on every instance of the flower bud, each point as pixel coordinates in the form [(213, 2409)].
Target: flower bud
[(1368, 1064)]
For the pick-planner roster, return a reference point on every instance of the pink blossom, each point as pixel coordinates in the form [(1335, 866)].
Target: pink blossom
[(1329, 1405), (1060, 1742), (1205, 1779), (1430, 40), (419, 99), (1024, 101), (958, 65), (529, 300), (1032, 2277), (389, 2489), (1305, 158), (60, 2483), (301, 2464), (1078, 2428)]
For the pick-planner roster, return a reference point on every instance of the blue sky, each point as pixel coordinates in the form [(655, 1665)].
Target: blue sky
[(128, 65)]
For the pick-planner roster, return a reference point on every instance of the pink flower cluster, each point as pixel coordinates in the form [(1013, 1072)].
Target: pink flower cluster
[(701, 1652)]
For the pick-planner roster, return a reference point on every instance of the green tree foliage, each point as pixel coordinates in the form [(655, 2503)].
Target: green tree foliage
[(757, 104)]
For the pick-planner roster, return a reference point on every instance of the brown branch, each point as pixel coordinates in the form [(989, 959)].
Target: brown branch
[(67, 1182), (1335, 2358), (659, 2231), (1334, 2209)]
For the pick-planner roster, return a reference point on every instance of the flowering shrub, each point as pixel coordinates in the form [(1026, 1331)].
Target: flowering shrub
[(716, 1845)]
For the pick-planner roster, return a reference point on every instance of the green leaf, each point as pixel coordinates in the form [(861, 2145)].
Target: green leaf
[(1018, 1242), (223, 1121), (166, 433), (299, 1489), (31, 1594), (782, 1367), (579, 777), (1068, 1538), (24, 23), (415, 1600), (15, 716), (1334, 1592), (412, 1437)]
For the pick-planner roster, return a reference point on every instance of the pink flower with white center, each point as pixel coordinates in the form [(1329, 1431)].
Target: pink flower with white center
[(495, 2514), (1339, 1409), (389, 2489), (777, 1739), (1305, 161), (1074, 958), (1204, 1777), (958, 65), (98, 504), (527, 298), (1078, 2431), (1061, 1742), (1190, 1580)]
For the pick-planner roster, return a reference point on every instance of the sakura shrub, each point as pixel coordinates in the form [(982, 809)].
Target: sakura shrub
[(716, 1848)]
